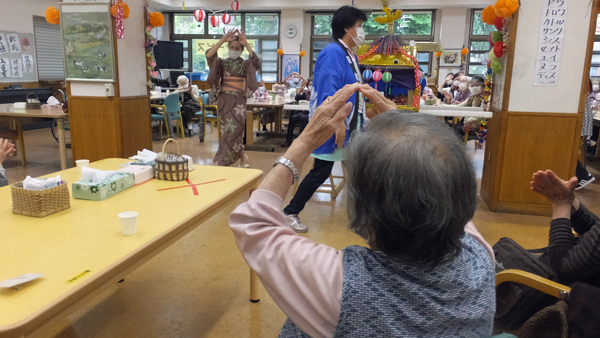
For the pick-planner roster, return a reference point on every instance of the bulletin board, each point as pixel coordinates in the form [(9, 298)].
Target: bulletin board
[(18, 62)]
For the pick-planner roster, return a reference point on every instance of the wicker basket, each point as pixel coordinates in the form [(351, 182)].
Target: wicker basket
[(175, 170), (39, 203), (33, 103)]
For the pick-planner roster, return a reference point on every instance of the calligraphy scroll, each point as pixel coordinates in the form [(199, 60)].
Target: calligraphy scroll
[(550, 47)]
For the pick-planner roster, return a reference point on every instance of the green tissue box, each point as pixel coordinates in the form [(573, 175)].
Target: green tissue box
[(103, 189)]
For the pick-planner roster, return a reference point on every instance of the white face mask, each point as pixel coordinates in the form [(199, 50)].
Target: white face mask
[(296, 80), (359, 39), (234, 54), (450, 82), (475, 90), (462, 87), (456, 83), (595, 88)]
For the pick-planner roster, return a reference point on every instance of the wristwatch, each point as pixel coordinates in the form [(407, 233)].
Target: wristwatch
[(290, 165)]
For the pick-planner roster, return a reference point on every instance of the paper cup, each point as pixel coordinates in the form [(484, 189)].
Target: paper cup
[(82, 163), (128, 222)]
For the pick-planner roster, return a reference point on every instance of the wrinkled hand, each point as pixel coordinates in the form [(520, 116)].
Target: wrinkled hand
[(230, 36), (7, 149), (447, 95), (557, 191), (327, 118), (467, 127), (381, 103), (340, 135)]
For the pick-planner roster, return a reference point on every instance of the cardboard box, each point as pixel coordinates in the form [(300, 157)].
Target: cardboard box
[(103, 189)]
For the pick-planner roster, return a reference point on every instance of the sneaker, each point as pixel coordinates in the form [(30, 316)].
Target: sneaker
[(583, 182), (295, 223)]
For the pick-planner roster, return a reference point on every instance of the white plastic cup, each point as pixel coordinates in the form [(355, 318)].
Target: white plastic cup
[(128, 222), (82, 163)]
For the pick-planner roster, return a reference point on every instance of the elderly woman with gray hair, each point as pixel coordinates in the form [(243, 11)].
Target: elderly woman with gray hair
[(426, 272)]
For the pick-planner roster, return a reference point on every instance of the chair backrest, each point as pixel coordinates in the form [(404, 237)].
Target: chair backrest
[(204, 98), (172, 103)]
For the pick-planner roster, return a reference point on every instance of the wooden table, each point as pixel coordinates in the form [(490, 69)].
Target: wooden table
[(85, 241), (277, 104), (7, 110)]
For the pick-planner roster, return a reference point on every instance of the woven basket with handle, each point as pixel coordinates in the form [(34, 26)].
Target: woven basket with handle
[(39, 203), (33, 103), (172, 166)]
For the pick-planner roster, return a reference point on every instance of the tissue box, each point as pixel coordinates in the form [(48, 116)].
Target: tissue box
[(143, 163), (103, 189), (141, 173)]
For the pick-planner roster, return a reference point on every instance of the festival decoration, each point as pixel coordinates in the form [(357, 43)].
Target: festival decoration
[(464, 51), (214, 21), (377, 77), (156, 19), (52, 15), (497, 36), (367, 74), (226, 18), (302, 53), (488, 15), (113, 9), (499, 23), (183, 5), (506, 8), (386, 77), (499, 49), (492, 56), (437, 54), (280, 52), (496, 66), (199, 15), (150, 43), (119, 17), (235, 6)]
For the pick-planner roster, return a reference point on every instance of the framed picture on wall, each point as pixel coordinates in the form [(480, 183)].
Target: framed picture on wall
[(290, 63), (450, 58), (88, 42)]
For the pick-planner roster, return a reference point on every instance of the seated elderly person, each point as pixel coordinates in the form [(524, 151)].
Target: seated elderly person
[(572, 259), (189, 104), (476, 89), (7, 149), (463, 92), (425, 271)]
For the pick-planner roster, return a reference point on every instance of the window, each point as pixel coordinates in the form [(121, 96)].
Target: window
[(414, 25), (198, 37), (49, 50), (595, 68), (479, 45)]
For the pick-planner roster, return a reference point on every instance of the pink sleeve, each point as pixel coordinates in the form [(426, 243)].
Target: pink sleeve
[(303, 278), (471, 230)]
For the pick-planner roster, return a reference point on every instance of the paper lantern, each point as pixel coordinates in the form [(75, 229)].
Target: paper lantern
[(52, 15), (377, 75), (280, 51), (497, 36), (367, 74), (226, 18), (496, 67), (156, 19), (302, 53), (235, 6), (492, 56), (214, 21), (488, 15), (113, 10), (438, 54), (199, 15), (491, 39), (464, 51), (498, 49), (386, 77), (506, 8), (499, 23)]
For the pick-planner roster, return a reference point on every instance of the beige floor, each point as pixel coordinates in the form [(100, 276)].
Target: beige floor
[(198, 287)]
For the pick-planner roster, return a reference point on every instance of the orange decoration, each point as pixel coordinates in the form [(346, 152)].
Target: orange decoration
[(280, 51), (302, 53), (113, 10), (464, 51), (506, 8), (488, 15), (438, 54), (52, 15), (156, 19)]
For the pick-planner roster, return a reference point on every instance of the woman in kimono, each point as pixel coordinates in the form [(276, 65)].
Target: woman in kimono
[(235, 77)]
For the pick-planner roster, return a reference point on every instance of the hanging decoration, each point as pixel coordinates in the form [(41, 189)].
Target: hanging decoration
[(183, 5), (437, 54), (377, 77), (464, 52), (499, 23), (52, 15), (156, 19), (113, 9), (506, 8), (302, 53), (119, 26), (488, 15), (387, 77), (150, 43), (497, 36), (214, 21), (235, 6), (367, 74), (280, 52), (503, 10), (226, 18), (499, 49), (199, 15)]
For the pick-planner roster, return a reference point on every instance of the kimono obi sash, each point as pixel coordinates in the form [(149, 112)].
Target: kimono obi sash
[(233, 84)]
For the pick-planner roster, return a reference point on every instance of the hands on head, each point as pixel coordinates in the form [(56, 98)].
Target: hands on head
[(556, 190), (7, 149)]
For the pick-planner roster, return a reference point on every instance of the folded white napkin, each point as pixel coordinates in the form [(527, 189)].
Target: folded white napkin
[(31, 183), (144, 155), (94, 175), (52, 100)]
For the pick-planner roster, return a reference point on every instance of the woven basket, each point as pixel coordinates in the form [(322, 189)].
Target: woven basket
[(33, 103), (171, 170), (39, 203)]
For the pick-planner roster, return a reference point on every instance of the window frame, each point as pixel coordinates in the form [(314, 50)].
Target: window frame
[(206, 35), (406, 38), (594, 52), (475, 38)]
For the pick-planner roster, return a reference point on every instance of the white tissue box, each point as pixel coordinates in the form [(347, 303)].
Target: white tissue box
[(141, 173)]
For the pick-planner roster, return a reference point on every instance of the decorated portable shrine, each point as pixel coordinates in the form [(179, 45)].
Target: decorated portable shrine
[(390, 66)]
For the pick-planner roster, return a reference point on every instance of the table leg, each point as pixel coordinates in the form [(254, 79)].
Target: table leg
[(249, 131), (62, 145), (254, 295), (21, 142), (278, 119)]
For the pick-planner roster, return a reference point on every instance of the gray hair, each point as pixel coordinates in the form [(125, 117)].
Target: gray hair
[(182, 80), (411, 187)]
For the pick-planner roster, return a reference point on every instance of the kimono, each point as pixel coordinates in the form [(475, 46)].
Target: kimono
[(234, 78)]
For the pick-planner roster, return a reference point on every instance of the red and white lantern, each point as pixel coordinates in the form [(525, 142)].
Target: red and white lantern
[(214, 21), (226, 18), (199, 15), (235, 6)]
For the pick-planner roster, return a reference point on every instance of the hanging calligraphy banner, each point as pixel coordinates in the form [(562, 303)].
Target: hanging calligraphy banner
[(550, 47)]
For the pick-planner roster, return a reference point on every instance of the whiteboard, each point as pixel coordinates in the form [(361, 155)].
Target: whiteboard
[(18, 61)]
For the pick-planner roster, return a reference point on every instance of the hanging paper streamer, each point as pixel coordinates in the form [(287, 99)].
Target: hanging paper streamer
[(377, 77), (120, 28), (183, 5), (226, 18), (367, 75), (199, 15), (214, 21), (387, 78), (235, 6)]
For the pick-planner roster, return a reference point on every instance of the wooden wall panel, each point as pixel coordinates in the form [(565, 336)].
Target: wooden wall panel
[(491, 162), (94, 129), (136, 124)]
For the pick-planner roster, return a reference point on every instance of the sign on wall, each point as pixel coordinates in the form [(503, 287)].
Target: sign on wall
[(550, 47), (18, 61)]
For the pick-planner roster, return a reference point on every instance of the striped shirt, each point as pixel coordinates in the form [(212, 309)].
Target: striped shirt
[(576, 259)]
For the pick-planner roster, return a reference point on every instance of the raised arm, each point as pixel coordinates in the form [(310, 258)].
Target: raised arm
[(230, 36), (244, 42)]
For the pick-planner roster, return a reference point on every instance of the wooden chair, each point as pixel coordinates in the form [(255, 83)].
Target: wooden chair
[(332, 188), (212, 118), (170, 106), (533, 281)]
